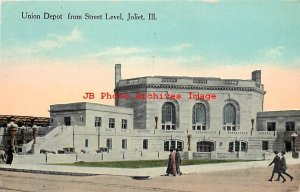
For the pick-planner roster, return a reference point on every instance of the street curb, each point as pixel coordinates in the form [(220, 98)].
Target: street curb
[(47, 172)]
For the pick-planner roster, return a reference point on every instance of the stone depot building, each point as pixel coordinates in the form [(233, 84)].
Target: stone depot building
[(203, 117)]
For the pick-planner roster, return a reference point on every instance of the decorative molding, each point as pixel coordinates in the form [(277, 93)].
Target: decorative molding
[(189, 87)]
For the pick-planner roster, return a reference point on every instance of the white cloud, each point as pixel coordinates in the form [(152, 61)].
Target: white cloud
[(48, 44), (118, 51), (210, 1), (57, 41), (53, 41), (136, 51), (274, 53), (178, 48), (74, 36)]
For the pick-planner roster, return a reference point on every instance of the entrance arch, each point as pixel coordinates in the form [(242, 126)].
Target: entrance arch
[(205, 146)]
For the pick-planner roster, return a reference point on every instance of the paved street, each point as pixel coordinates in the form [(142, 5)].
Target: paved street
[(250, 179)]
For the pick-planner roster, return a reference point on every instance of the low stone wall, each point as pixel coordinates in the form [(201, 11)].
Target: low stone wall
[(95, 157), (129, 156), (201, 155)]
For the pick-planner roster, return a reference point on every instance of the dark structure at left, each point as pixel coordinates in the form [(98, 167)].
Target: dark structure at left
[(24, 120), (24, 130)]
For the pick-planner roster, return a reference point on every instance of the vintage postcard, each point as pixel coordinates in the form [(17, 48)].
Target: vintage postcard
[(172, 95)]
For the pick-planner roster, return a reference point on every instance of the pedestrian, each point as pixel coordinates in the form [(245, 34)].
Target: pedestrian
[(9, 154), (178, 162), (276, 168), (171, 169), (2, 155), (283, 167)]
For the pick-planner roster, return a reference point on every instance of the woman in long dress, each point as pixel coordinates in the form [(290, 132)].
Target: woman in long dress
[(171, 169)]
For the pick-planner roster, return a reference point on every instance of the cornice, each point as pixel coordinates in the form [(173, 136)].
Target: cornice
[(195, 87)]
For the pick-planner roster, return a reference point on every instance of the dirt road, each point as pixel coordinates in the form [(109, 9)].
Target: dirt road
[(248, 180)]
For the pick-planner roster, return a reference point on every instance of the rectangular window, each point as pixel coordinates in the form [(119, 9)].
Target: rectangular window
[(98, 121), (111, 122), (179, 145), (173, 144), (199, 81), (124, 143), (124, 123), (145, 144), (290, 126), (81, 118), (230, 82), (237, 146), (109, 143), (265, 145), (243, 146), (271, 126), (230, 147), (86, 143), (166, 146)]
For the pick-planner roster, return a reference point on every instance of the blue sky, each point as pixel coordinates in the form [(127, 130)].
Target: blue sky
[(212, 31)]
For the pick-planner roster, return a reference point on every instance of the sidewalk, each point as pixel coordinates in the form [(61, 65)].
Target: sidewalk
[(152, 172)]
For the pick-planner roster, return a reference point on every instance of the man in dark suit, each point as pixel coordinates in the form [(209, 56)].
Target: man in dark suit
[(178, 161), (283, 167), (277, 167)]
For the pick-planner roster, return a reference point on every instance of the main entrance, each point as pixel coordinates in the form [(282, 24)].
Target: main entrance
[(205, 146)]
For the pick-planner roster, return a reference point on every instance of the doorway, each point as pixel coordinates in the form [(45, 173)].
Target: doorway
[(288, 146)]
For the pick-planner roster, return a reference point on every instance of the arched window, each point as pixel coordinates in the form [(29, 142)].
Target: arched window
[(199, 117), (237, 146), (168, 116), (173, 144), (229, 117), (205, 146)]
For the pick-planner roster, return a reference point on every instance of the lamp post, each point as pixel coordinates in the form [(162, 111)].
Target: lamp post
[(294, 138), (23, 134), (156, 119), (12, 127), (252, 123), (34, 131), (189, 136), (98, 137)]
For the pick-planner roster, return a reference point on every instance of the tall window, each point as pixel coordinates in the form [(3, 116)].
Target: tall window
[(205, 146), (111, 123), (145, 144), (271, 126), (124, 123), (199, 117), (124, 143), (98, 121), (265, 145), (109, 143), (173, 144), (86, 143), (290, 126), (168, 116), (237, 146), (229, 117)]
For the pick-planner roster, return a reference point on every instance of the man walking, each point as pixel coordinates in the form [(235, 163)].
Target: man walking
[(276, 168), (178, 162), (283, 167)]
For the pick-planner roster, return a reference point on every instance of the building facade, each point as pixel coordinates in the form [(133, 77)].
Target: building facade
[(203, 117)]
